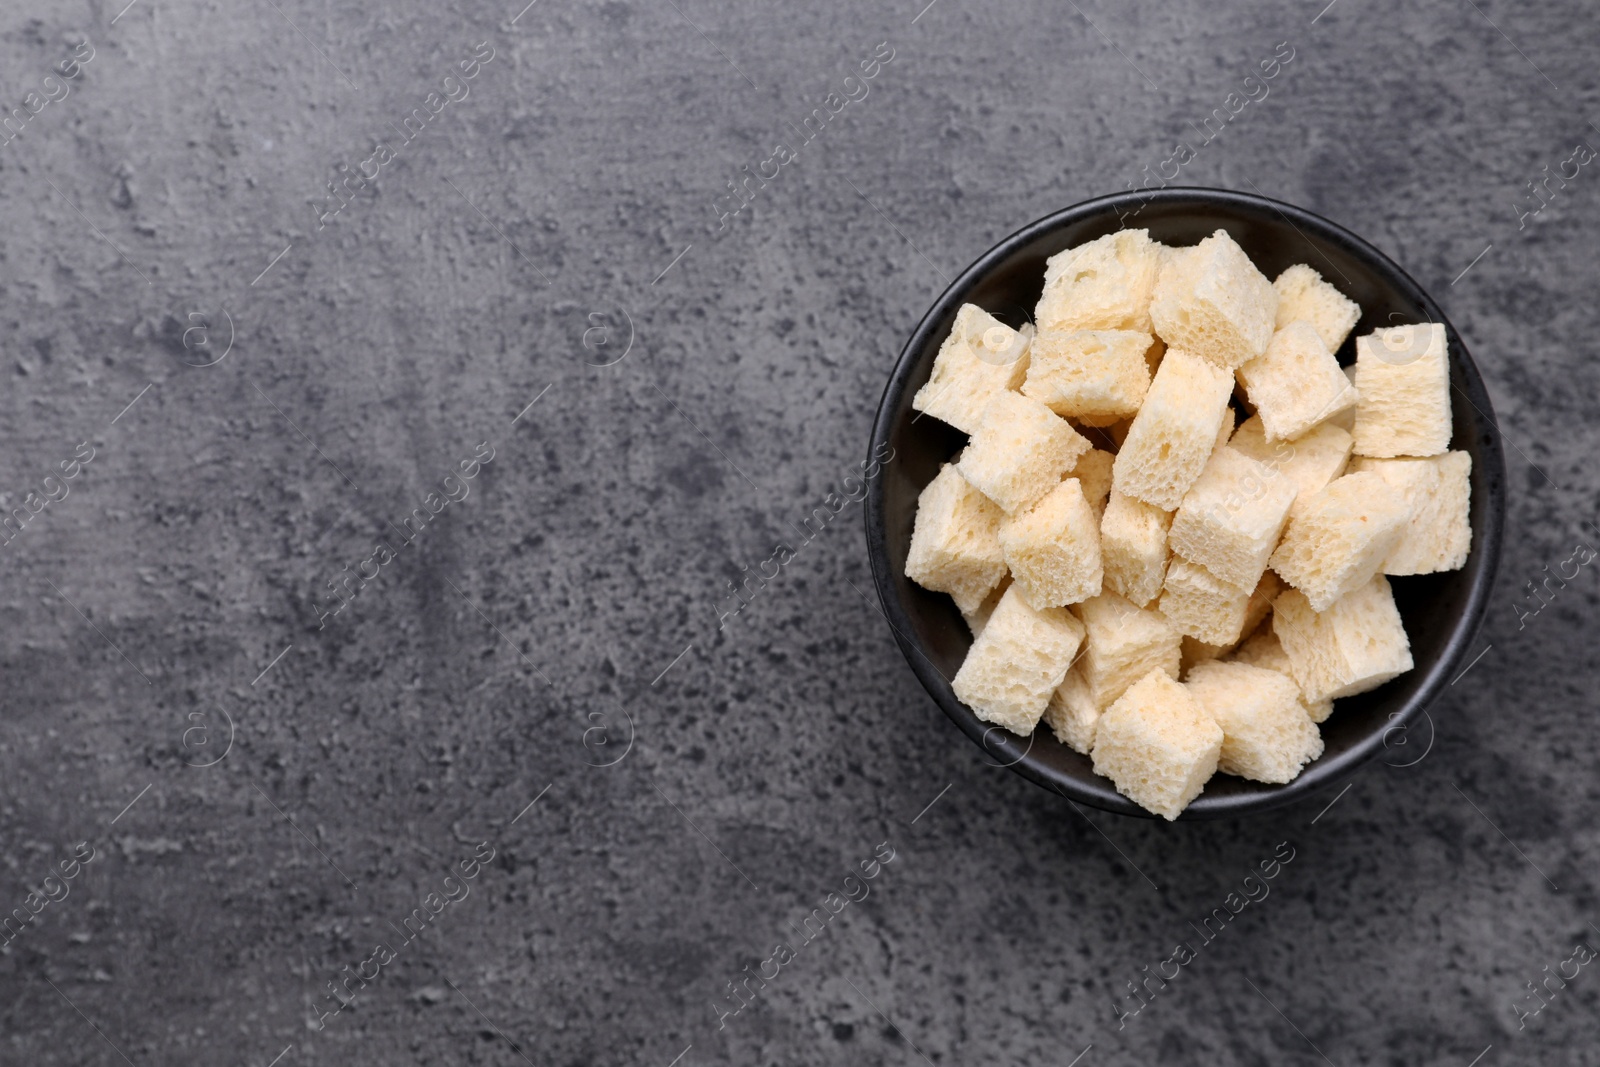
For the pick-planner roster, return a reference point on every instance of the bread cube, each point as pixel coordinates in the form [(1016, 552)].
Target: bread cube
[(1175, 431), (1256, 609), (1296, 383), (1232, 516), (1072, 713), (1263, 649), (1017, 662), (1356, 645), (1403, 376), (1439, 489), (1309, 462), (981, 358), (955, 540), (1302, 294), (1212, 301), (1341, 537), (1266, 734), (1089, 374), (1133, 547), (1094, 475), (1202, 605), (1102, 285), (1158, 746), (1121, 644), (1020, 451), (978, 617), (1053, 548)]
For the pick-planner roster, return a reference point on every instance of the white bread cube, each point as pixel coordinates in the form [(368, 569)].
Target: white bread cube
[(1089, 374), (1094, 474), (978, 617), (1341, 537), (1212, 301), (1296, 383), (981, 358), (955, 541), (1053, 548), (1202, 605), (1020, 451), (1158, 745), (1102, 285), (1017, 662), (1439, 489), (1266, 734), (1133, 547), (1356, 645), (1072, 713), (1232, 516), (1310, 462), (1302, 294), (1175, 431), (1263, 649), (1403, 376), (1256, 609), (1122, 643)]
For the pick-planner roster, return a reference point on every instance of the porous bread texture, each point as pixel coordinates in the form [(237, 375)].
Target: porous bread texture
[(1263, 649), (1020, 451), (981, 358), (1089, 374), (1403, 376), (1094, 475), (1133, 547), (1267, 736), (1072, 713), (955, 540), (1213, 302), (1256, 610), (1231, 518), (1309, 462), (1053, 548), (1438, 536), (1357, 644), (1157, 744), (1296, 383), (1102, 285), (978, 617), (1341, 536), (1175, 431), (1302, 294), (1202, 605), (1017, 662), (1122, 643)]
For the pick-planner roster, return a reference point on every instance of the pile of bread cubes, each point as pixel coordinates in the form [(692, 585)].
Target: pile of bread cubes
[(1172, 594)]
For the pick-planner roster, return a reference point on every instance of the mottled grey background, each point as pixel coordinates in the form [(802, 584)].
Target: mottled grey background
[(505, 253)]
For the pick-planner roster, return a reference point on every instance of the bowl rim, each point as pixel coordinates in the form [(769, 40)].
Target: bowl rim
[(1322, 774)]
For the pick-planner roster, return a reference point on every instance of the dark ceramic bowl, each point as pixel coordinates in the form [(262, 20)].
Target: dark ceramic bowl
[(1442, 612)]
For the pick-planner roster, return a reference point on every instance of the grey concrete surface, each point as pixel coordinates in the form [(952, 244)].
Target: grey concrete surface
[(268, 790)]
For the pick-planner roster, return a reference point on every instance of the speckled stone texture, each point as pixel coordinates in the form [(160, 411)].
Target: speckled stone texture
[(563, 632)]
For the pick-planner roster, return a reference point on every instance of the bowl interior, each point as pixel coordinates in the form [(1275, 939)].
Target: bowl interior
[(1441, 611)]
